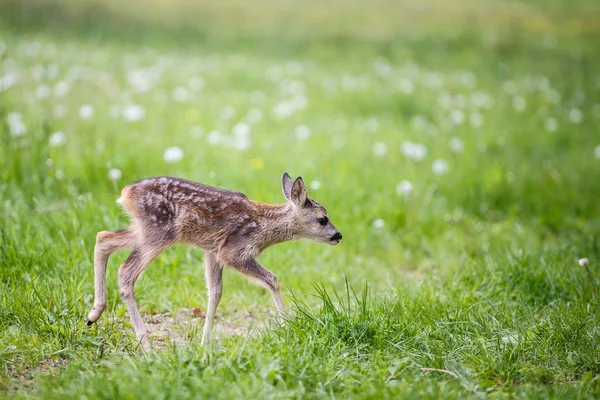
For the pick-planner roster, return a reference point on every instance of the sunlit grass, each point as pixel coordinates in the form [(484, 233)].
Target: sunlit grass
[(461, 162)]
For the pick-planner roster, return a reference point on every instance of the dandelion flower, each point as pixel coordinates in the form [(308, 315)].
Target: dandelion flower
[(414, 151), (302, 132), (476, 119), (59, 111), (379, 149), (551, 124), (114, 174), (196, 83), (404, 188), (519, 103), (57, 139), (173, 154), (257, 163), (86, 111), (440, 167), (457, 116), (215, 137), (61, 88), (406, 86), (575, 115), (134, 113), (43, 91), (15, 124), (597, 152), (181, 94), (254, 115), (583, 261), (196, 132), (456, 144), (378, 223), (315, 185)]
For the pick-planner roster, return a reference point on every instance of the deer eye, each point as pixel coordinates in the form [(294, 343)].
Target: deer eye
[(323, 221)]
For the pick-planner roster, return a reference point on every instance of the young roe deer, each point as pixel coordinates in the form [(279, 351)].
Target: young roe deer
[(230, 228)]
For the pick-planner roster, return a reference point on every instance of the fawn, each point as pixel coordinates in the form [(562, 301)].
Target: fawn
[(230, 228)]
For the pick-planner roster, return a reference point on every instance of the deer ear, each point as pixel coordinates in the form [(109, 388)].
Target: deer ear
[(286, 185), (299, 194)]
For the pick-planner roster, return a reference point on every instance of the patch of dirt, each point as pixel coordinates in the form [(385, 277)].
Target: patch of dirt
[(23, 380), (186, 325)]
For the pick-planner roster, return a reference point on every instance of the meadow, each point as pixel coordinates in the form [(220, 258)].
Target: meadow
[(455, 145)]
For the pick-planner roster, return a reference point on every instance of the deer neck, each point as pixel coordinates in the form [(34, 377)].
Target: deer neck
[(276, 222)]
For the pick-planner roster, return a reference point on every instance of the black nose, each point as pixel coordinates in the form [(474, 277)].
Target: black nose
[(337, 236)]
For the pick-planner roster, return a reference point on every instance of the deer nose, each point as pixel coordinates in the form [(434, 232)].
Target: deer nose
[(337, 236)]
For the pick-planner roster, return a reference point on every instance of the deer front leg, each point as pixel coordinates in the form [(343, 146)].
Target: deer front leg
[(251, 268), (213, 272)]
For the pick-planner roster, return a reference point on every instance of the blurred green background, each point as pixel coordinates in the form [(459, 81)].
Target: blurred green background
[(455, 145)]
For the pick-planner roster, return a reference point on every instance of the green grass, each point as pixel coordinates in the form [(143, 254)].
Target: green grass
[(474, 271)]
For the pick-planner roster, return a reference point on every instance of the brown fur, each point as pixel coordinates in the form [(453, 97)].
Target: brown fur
[(229, 227)]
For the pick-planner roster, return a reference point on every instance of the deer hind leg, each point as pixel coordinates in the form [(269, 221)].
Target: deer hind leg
[(107, 242), (129, 272), (213, 272)]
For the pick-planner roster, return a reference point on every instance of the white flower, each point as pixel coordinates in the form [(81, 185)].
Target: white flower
[(404, 188), (414, 151), (299, 102), (59, 111), (597, 152), (57, 139), (315, 185), (476, 119), (418, 122), (371, 124), (196, 132), (378, 223), (215, 138), (509, 87), (551, 125), (227, 113), (406, 86), (457, 116), (43, 91), (100, 145), (302, 132), (8, 80), (114, 174), (583, 261), (181, 94), (241, 136), (481, 100), (61, 88), (15, 124), (379, 149), (456, 144), (134, 112), (283, 109), (86, 111), (519, 103), (173, 154), (254, 115), (241, 129), (196, 83), (59, 174), (258, 97), (575, 115), (440, 167), (140, 79)]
